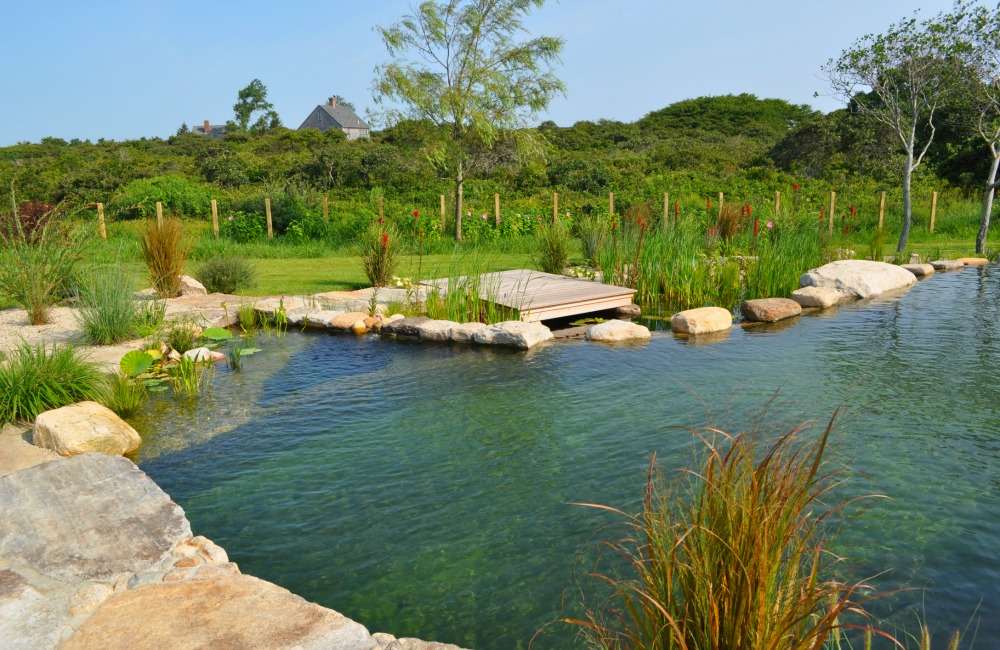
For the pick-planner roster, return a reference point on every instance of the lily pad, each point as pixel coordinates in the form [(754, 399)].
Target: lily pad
[(216, 334), (245, 352), (135, 363)]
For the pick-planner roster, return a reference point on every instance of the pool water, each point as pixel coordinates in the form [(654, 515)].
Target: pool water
[(427, 490)]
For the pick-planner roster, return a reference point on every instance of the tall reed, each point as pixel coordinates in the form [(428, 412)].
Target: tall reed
[(164, 250), (731, 555)]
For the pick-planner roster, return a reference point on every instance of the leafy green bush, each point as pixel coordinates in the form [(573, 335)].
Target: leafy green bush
[(179, 196), (226, 274), (35, 380), (164, 250), (243, 227), (108, 311)]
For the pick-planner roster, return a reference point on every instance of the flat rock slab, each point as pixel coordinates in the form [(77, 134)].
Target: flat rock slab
[(87, 517), (84, 427), (28, 619), (404, 326), (513, 334), (702, 320), (920, 270), (436, 330), (223, 612), (974, 261), (617, 331), (389, 642), (312, 318), (947, 265), (858, 278), (769, 310), (463, 332), (16, 453), (816, 297)]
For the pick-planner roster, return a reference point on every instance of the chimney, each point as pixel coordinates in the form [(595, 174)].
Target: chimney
[(208, 128), (333, 101)]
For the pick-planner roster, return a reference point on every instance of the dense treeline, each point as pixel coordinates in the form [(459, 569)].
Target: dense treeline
[(738, 144)]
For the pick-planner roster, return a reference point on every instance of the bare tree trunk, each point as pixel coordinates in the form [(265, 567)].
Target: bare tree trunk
[(904, 234), (984, 225), (459, 180)]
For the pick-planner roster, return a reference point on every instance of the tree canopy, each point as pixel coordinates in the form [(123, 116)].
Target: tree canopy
[(251, 101)]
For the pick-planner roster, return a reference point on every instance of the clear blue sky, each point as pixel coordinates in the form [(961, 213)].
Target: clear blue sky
[(126, 69)]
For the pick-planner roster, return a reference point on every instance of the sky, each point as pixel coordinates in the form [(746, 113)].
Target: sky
[(139, 68)]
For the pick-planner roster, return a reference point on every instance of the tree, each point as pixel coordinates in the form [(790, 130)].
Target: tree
[(909, 71), (983, 32), (183, 129), (458, 65), (253, 100)]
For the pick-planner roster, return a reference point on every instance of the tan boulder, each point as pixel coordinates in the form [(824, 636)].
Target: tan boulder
[(920, 270), (974, 261), (191, 287), (373, 323), (435, 330), (816, 297), (86, 426), (947, 265), (359, 327), (345, 322), (617, 331), (463, 332), (858, 278), (701, 320), (769, 310), (227, 611), (513, 334)]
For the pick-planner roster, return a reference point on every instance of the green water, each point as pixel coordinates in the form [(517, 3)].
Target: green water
[(425, 490)]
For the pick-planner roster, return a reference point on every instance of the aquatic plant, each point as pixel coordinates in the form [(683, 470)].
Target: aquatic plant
[(125, 394), (35, 379), (189, 377), (183, 336), (731, 555)]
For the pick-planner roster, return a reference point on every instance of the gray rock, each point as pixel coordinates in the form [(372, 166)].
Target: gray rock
[(16, 453), (769, 310), (858, 278), (514, 334), (628, 311), (28, 620), (87, 517), (191, 287), (947, 265), (817, 297), (409, 327), (616, 331), (389, 642), (84, 427), (702, 320), (435, 330), (463, 332), (920, 270), (312, 318)]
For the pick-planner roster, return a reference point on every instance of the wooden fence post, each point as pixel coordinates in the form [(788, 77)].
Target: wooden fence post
[(722, 197), (159, 214), (777, 204), (326, 208), (611, 203), (380, 215), (933, 210), (267, 212), (881, 211), (555, 207), (215, 218), (833, 203), (666, 210), (100, 221), (496, 207), (443, 216)]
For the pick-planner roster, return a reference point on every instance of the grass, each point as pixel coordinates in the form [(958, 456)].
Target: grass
[(125, 395), (35, 271), (34, 380), (108, 311), (731, 555), (226, 274), (163, 249)]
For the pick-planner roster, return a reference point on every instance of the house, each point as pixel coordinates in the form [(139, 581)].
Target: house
[(211, 130), (330, 116)]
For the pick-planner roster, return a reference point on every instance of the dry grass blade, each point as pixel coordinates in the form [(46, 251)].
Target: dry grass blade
[(164, 251)]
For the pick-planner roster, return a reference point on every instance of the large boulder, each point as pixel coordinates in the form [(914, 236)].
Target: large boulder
[(616, 331), (28, 618), (191, 287), (701, 320), (948, 265), (858, 278), (920, 270), (83, 427), (221, 612), (88, 517), (514, 334), (463, 332), (345, 322), (435, 330), (816, 297), (769, 310), (409, 327)]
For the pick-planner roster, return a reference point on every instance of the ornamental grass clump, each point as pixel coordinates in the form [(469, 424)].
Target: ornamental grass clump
[(226, 274), (554, 247), (34, 380), (731, 556), (164, 249), (109, 312), (377, 248)]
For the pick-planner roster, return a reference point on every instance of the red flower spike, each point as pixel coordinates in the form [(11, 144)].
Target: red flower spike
[(416, 214), (677, 209), (708, 205), (795, 187), (748, 211), (756, 227), (385, 240)]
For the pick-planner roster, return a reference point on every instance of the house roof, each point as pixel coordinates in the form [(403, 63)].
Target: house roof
[(344, 116)]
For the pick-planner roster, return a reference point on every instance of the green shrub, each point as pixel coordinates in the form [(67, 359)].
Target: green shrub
[(108, 311), (36, 269), (554, 246), (164, 250), (226, 274), (243, 227), (35, 380), (178, 196)]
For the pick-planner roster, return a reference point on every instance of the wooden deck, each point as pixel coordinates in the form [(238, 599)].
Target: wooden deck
[(540, 296)]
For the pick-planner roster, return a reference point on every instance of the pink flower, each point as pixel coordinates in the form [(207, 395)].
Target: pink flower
[(469, 213), (484, 216), (539, 218), (230, 217), (567, 213), (770, 224)]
